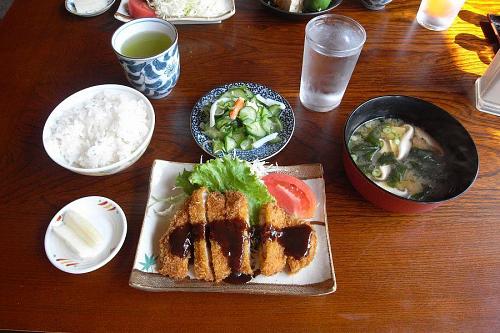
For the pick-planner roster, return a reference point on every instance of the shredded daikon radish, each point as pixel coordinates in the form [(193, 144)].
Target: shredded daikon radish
[(189, 8)]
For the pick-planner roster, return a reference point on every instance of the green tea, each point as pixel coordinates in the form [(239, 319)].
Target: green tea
[(146, 44)]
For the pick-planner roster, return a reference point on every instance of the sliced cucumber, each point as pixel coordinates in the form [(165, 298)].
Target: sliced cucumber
[(276, 140), (222, 122), (264, 112), (252, 103), (246, 144), (238, 92), (248, 92), (238, 137), (257, 122), (275, 110), (268, 125), (278, 126), (247, 114), (212, 132), (229, 143), (256, 129), (217, 146)]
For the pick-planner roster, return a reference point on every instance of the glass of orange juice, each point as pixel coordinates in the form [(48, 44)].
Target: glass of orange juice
[(438, 14)]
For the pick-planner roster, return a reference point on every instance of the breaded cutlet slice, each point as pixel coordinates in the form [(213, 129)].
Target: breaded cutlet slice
[(169, 263), (216, 211), (296, 265), (237, 209), (198, 218), (271, 254), (229, 208)]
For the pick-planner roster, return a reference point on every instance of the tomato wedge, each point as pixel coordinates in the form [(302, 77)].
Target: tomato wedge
[(291, 194), (140, 8)]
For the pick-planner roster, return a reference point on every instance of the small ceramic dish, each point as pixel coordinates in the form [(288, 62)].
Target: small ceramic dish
[(262, 153), (298, 16), (109, 220), (70, 7), (77, 99)]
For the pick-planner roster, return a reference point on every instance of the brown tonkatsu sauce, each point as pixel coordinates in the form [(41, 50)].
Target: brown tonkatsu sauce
[(238, 278), (229, 234), (183, 237), (296, 240), (198, 231), (180, 241)]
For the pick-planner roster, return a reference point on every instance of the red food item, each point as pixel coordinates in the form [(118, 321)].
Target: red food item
[(140, 9), (291, 194)]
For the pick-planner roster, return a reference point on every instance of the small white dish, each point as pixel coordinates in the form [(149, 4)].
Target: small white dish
[(77, 99), (70, 7), (109, 220)]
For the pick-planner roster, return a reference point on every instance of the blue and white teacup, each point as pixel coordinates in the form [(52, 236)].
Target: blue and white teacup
[(154, 76)]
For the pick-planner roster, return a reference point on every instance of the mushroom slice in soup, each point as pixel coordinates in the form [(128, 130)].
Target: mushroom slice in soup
[(398, 139), (405, 142)]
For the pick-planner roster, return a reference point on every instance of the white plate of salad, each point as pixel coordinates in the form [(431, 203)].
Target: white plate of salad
[(248, 120)]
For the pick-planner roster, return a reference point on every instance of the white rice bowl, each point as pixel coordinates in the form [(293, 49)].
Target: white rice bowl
[(100, 130)]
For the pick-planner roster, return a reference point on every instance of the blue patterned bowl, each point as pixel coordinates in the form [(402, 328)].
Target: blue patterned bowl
[(155, 76), (262, 153), (375, 4)]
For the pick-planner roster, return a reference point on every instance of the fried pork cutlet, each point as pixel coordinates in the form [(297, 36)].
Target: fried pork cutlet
[(237, 210), (216, 213), (284, 240), (228, 220), (296, 264), (174, 249), (198, 219), (271, 253)]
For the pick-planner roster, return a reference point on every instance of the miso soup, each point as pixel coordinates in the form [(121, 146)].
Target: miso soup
[(401, 158)]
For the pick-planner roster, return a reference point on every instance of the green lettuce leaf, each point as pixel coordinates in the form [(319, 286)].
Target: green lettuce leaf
[(183, 182), (227, 174)]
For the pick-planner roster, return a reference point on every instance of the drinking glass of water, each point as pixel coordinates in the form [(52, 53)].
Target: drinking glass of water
[(438, 14), (331, 49)]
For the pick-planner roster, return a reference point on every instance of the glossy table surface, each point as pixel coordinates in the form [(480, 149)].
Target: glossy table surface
[(437, 271)]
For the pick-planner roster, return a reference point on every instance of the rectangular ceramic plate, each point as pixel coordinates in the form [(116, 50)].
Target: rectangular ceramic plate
[(316, 279), (123, 15)]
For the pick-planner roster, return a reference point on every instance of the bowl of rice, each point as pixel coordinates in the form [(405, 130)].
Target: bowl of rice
[(100, 130)]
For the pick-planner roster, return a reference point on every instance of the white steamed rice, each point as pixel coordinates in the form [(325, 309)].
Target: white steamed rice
[(100, 131)]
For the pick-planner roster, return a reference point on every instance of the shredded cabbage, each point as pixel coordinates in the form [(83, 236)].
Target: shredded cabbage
[(189, 8)]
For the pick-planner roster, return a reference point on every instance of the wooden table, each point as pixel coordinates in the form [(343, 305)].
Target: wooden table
[(438, 271)]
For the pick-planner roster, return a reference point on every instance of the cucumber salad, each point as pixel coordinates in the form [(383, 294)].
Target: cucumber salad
[(240, 119)]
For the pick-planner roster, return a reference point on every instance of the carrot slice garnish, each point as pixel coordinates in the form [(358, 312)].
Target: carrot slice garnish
[(238, 105)]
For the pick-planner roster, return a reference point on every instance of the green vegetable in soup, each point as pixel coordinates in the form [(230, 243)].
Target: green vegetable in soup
[(419, 173)]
